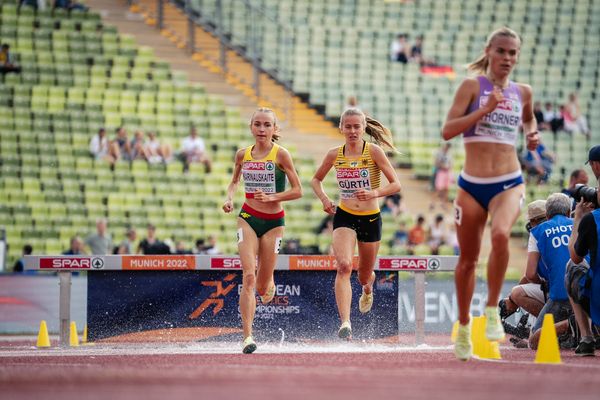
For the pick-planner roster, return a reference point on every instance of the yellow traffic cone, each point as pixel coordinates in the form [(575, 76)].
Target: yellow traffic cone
[(478, 336), (491, 350), (482, 347), (454, 332), (548, 351), (84, 336), (43, 339), (73, 337)]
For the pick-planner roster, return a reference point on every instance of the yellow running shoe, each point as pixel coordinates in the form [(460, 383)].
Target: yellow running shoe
[(268, 296), (345, 331), (248, 346), (494, 330), (463, 347), (365, 302)]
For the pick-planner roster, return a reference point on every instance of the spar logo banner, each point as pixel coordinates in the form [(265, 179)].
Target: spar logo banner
[(121, 302), (225, 263), (65, 262), (409, 264)]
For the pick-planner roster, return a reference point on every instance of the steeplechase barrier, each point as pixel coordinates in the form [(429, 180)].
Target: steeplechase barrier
[(109, 264)]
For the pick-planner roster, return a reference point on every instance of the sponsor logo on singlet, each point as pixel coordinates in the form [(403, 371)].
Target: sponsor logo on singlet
[(259, 175), (352, 179)]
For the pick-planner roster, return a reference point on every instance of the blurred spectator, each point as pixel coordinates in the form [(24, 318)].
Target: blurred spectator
[(392, 204), (400, 236), (69, 5), (193, 150), (181, 249), (156, 151), (552, 120), (200, 248), (29, 3), (100, 148), (416, 53), (292, 246), (76, 248), (539, 163), (443, 176), (578, 177), (127, 245), (352, 102), (574, 119), (151, 245), (437, 234), (100, 243), (539, 115), (326, 225), (120, 147), (19, 266), (211, 246), (452, 239), (399, 49), (7, 64), (138, 147), (418, 233)]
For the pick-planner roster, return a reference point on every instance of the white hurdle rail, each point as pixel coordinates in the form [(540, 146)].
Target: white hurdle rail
[(64, 265)]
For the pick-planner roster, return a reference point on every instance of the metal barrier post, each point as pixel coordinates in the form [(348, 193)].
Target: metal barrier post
[(64, 306), (219, 31), (160, 15), (191, 42), (419, 307)]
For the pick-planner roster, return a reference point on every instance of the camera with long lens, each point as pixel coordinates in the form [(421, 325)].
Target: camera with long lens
[(587, 194)]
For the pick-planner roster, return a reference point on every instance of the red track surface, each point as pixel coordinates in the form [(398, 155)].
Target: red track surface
[(306, 376)]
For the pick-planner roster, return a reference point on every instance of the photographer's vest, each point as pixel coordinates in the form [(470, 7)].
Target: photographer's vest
[(552, 239), (595, 290), (262, 174), (356, 173)]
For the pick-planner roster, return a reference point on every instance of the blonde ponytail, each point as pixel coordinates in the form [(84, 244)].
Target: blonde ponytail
[(382, 135)]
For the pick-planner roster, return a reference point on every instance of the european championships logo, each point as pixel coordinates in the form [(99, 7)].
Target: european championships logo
[(217, 298)]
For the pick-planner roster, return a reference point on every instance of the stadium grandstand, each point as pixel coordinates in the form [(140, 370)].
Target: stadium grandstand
[(80, 73)]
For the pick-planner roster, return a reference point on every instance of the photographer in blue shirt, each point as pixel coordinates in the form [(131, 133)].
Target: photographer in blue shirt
[(549, 242)]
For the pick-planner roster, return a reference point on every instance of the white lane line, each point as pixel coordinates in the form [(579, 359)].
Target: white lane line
[(211, 348)]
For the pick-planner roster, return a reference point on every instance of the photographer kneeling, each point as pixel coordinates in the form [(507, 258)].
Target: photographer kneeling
[(584, 288), (527, 296), (549, 241)]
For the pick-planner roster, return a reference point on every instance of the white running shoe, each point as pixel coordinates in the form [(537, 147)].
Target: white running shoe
[(345, 331), (494, 331), (248, 346), (463, 347)]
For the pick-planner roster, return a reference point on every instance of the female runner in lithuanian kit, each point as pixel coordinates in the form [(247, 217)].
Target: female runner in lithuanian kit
[(264, 166), (358, 166)]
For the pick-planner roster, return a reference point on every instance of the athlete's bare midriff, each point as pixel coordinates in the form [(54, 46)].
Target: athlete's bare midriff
[(267, 208), (361, 206), (487, 160)]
